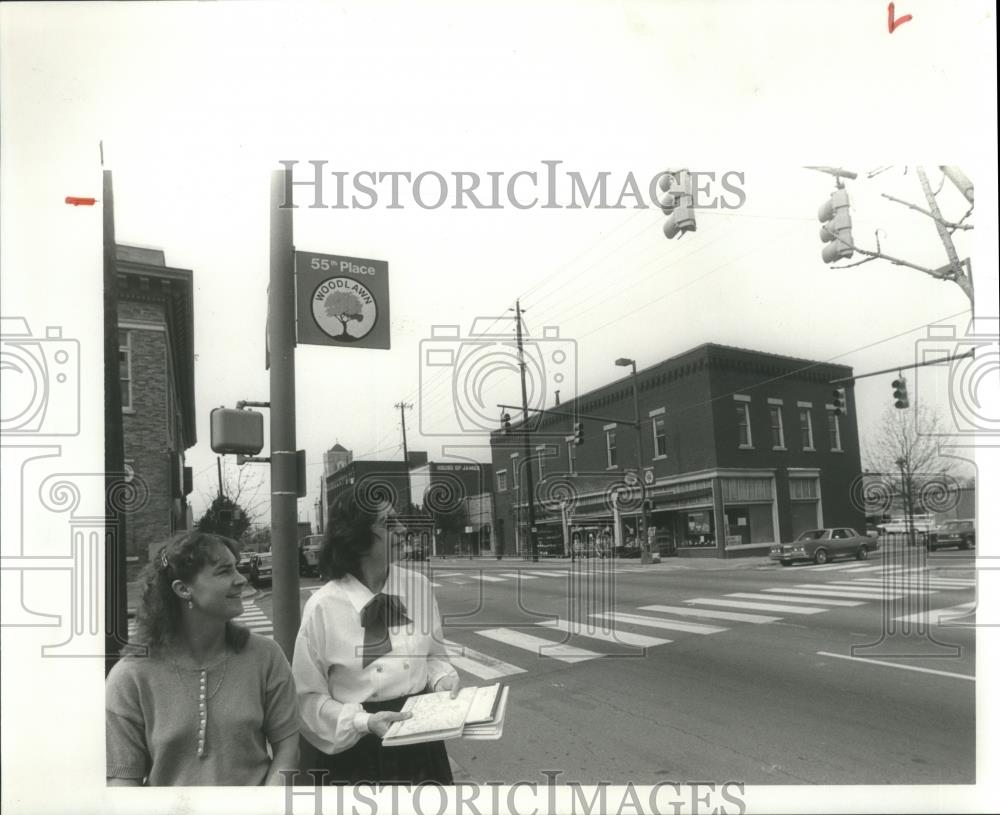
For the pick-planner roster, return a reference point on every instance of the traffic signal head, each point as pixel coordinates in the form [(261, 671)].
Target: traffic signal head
[(679, 221), (836, 230), (899, 393), (839, 402), (578, 433), (677, 203), (505, 420)]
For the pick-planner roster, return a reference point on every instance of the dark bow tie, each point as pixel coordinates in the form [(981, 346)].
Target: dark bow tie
[(382, 611)]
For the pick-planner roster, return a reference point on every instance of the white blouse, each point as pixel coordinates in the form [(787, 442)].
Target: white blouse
[(330, 681)]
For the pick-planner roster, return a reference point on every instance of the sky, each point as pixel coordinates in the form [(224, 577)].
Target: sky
[(196, 103)]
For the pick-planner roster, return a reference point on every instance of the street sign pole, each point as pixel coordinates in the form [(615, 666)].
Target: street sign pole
[(284, 472)]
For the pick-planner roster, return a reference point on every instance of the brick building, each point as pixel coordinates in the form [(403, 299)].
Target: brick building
[(156, 362), (462, 495), (739, 449)]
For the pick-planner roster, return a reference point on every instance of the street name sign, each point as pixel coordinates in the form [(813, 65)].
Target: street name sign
[(342, 301)]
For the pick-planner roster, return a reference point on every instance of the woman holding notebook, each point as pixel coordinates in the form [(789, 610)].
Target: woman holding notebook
[(370, 638)]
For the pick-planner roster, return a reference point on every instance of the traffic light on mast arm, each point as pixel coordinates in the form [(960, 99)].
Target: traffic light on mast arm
[(840, 402), (578, 433), (677, 203), (836, 230), (505, 421), (899, 393)]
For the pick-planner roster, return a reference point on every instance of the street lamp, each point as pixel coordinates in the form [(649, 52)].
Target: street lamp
[(625, 362)]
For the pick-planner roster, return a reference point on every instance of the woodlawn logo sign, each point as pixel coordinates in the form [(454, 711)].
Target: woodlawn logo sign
[(342, 300)]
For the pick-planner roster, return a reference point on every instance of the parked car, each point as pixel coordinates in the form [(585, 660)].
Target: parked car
[(821, 545), (260, 569), (309, 548), (414, 551), (922, 524), (961, 533), (243, 565)]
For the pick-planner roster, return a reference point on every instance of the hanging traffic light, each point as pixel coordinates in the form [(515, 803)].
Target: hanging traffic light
[(578, 433), (505, 420), (899, 392), (836, 230), (678, 203), (839, 402)]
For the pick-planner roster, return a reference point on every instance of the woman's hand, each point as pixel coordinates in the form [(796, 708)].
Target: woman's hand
[(379, 723), (450, 682)]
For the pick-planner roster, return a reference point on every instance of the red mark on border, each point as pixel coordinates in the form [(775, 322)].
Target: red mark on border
[(80, 202), (893, 22)]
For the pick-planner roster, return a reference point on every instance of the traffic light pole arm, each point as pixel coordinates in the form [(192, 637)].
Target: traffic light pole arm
[(847, 379), (628, 422), (243, 403)]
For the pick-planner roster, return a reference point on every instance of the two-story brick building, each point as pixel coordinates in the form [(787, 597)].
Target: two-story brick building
[(739, 449), (156, 367)]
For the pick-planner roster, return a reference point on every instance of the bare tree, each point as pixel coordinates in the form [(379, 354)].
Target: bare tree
[(903, 452), (239, 504)]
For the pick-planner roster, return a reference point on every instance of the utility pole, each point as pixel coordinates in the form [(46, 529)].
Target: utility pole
[(526, 437), (406, 455), (218, 467), (949, 245), (402, 417), (284, 469)]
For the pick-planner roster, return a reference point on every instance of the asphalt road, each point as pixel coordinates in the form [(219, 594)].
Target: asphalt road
[(721, 671)]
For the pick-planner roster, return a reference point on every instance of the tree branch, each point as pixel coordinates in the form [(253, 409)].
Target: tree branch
[(949, 224)]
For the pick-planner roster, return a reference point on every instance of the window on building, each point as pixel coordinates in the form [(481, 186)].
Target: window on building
[(777, 427), (125, 366), (612, 448), (806, 428), (659, 435), (833, 427), (571, 454), (513, 471), (541, 464), (501, 481), (743, 424)]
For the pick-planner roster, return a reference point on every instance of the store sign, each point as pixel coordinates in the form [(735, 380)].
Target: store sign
[(342, 301)]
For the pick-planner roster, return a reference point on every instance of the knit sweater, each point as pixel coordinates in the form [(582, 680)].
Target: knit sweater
[(155, 722)]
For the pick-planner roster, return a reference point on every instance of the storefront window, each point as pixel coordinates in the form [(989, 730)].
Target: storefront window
[(699, 528)]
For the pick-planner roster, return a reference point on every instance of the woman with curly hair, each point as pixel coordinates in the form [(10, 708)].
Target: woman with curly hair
[(369, 638), (199, 700)]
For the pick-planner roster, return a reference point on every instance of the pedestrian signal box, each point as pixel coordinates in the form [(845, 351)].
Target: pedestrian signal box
[(237, 431)]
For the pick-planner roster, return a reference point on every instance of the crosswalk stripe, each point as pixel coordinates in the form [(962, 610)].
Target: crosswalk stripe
[(835, 587), (833, 567), (658, 622), (539, 645), (785, 598), (548, 574), (934, 617), (719, 601), (517, 575), (479, 664), (712, 613), (856, 595), (487, 579), (434, 585), (617, 637), (897, 586), (448, 574), (929, 582)]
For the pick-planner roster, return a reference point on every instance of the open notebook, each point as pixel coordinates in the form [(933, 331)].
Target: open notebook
[(476, 713)]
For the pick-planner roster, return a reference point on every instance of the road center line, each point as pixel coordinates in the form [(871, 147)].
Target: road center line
[(895, 665)]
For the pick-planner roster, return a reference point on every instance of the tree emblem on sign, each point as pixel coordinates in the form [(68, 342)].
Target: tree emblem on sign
[(344, 307)]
